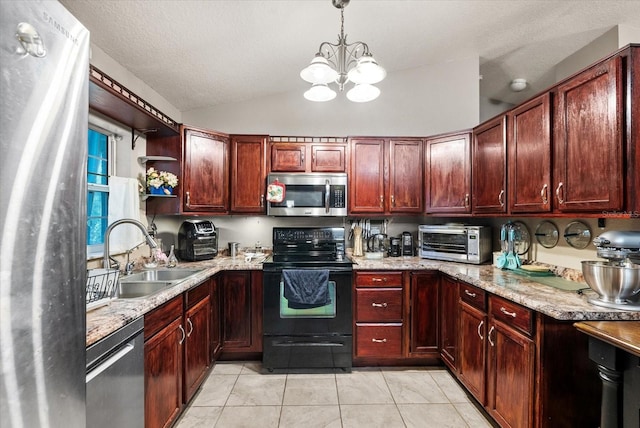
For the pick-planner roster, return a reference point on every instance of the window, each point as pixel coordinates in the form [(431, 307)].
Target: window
[(98, 168)]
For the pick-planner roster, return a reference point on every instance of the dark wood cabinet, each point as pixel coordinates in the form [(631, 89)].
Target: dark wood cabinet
[(529, 142), (241, 313), (303, 156), (588, 149), (288, 157), (449, 319), (472, 334), (202, 168), (366, 176), (489, 170), (328, 158), (424, 320), (248, 173), (197, 351), (386, 176), (163, 364), (510, 370), (405, 187), (379, 315), (448, 174)]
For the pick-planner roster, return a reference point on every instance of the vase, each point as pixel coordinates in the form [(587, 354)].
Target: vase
[(167, 190), (155, 190)]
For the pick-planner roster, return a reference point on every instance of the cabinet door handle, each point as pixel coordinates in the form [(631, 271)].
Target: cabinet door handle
[(469, 293), (559, 191), (188, 198), (506, 312), (379, 340), (261, 201), (544, 194), (381, 201), (479, 327), (489, 336), (466, 200), (184, 335), (501, 198), (313, 158), (302, 158), (393, 200), (190, 327), (379, 305), (379, 279)]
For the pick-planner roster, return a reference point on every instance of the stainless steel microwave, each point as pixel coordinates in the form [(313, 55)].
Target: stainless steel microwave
[(455, 242), (309, 195)]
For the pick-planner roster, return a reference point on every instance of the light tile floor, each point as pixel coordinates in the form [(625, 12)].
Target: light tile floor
[(236, 395)]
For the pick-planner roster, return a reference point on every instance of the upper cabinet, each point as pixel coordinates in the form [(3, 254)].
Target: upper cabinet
[(448, 174), (204, 172), (529, 142), (489, 171), (588, 149), (248, 173), (308, 154), (386, 176)]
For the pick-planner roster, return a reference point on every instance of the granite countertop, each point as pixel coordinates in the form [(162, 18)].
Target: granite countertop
[(558, 304), (624, 335)]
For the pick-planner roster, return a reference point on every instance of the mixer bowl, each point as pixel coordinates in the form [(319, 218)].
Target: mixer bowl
[(613, 283)]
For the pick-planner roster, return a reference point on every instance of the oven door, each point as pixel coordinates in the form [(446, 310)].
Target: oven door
[(332, 319), (444, 244)]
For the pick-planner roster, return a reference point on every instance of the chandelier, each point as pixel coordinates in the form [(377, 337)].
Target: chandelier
[(342, 63)]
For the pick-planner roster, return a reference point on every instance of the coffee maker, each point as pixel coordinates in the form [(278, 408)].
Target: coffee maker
[(407, 244)]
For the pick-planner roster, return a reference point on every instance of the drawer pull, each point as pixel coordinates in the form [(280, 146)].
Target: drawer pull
[(489, 336), (469, 293), (379, 279), (379, 340), (479, 327), (379, 305), (506, 312)]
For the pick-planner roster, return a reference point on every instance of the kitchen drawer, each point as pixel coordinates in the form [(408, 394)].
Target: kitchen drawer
[(378, 279), (379, 340), (162, 316), (474, 296), (196, 294), (512, 314), (378, 304)]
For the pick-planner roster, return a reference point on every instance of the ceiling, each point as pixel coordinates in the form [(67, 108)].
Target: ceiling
[(198, 54)]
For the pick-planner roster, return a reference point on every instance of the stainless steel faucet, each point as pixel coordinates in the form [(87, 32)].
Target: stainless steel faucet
[(106, 264)]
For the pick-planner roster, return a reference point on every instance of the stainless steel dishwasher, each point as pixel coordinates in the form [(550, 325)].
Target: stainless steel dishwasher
[(115, 379)]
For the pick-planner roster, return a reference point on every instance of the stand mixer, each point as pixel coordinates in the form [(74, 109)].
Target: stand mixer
[(617, 280)]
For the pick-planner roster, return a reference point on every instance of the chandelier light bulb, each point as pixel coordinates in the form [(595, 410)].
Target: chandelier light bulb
[(363, 93), (320, 92), (319, 71), (367, 71)]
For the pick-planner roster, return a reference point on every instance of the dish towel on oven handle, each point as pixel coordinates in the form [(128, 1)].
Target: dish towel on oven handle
[(306, 288)]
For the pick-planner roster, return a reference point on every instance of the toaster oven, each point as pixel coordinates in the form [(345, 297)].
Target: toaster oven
[(197, 240), (455, 242)]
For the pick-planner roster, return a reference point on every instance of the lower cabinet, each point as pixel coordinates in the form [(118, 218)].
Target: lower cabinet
[(472, 337), (379, 312), (241, 314), (424, 320), (177, 354)]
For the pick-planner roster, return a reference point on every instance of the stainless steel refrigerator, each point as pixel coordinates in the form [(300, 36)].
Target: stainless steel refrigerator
[(44, 62)]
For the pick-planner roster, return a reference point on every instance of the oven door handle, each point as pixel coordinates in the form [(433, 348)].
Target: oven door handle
[(327, 190)]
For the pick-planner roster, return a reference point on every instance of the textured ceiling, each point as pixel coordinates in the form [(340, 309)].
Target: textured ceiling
[(202, 53)]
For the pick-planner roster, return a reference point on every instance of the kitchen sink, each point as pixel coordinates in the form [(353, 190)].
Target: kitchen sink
[(133, 289), (159, 275), (151, 281)]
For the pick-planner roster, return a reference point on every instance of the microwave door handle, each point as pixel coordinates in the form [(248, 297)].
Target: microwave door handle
[(327, 190)]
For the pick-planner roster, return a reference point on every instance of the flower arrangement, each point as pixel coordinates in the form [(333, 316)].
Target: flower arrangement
[(161, 181)]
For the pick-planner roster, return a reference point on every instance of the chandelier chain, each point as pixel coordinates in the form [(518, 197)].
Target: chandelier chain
[(342, 22)]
